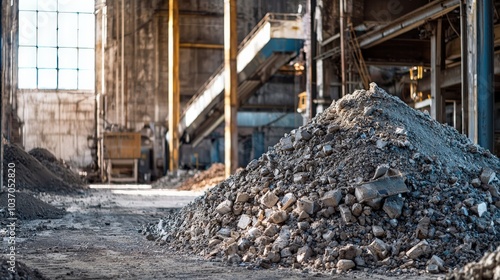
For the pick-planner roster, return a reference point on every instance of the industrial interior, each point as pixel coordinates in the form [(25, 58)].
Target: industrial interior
[(134, 95)]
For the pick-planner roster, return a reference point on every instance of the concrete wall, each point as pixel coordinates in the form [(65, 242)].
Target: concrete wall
[(59, 122)]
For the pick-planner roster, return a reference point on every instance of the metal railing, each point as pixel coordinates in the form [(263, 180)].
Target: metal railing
[(269, 17)]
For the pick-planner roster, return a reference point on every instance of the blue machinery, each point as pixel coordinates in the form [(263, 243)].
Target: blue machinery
[(271, 44)]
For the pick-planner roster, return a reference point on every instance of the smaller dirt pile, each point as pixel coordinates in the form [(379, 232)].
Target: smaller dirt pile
[(29, 207), (58, 167), (205, 179), (30, 174), (22, 272)]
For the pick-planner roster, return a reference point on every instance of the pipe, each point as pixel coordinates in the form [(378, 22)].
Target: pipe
[(485, 79), (122, 81), (408, 22)]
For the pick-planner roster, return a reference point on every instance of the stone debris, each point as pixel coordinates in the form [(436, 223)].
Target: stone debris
[(380, 188), (344, 265), (369, 184), (487, 176), (418, 250)]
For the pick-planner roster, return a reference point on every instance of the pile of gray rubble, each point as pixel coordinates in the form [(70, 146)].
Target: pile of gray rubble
[(369, 184)]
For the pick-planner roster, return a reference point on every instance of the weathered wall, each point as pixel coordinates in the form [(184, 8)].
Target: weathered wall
[(59, 122)]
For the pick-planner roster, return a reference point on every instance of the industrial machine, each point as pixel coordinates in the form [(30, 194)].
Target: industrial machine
[(121, 153)]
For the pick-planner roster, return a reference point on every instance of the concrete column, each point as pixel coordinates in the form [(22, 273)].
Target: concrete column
[(436, 57), (173, 84), (231, 87), (485, 77)]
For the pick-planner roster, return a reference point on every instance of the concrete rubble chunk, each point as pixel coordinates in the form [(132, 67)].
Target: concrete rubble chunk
[(480, 209), (327, 150), (346, 214), (393, 206), (435, 260), (271, 230), (329, 235), (242, 197), (381, 144), (285, 253), (244, 221), (306, 205), (380, 188), (378, 231), (380, 171), (302, 134), (378, 249), (348, 252), (476, 182), (432, 268), (332, 198), (269, 199), (423, 228), (357, 209), (300, 177), (344, 265), (278, 217), (231, 249), (304, 253), (487, 176), (288, 200), (418, 250), (286, 143), (224, 207)]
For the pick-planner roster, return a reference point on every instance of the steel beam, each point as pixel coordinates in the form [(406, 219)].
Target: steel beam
[(230, 87), (431, 11), (343, 68), (471, 23), (436, 57), (485, 79), (201, 46), (173, 84), (464, 68)]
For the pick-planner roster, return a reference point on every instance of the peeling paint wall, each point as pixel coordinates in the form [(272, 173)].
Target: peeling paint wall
[(59, 122)]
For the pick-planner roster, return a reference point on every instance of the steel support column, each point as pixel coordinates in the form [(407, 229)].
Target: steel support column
[(173, 84), (436, 57), (464, 68), (310, 62), (230, 87), (342, 50), (485, 78), (471, 25)]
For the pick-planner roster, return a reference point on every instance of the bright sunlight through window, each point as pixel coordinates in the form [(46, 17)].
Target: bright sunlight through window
[(56, 44)]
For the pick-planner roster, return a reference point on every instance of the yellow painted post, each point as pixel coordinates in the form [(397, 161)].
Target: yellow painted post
[(231, 87), (173, 84)]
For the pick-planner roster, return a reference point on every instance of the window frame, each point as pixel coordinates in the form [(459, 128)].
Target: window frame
[(82, 71)]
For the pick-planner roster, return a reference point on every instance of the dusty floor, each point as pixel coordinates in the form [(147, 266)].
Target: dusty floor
[(99, 239)]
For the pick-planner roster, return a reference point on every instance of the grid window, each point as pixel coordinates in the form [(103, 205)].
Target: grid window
[(56, 44)]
